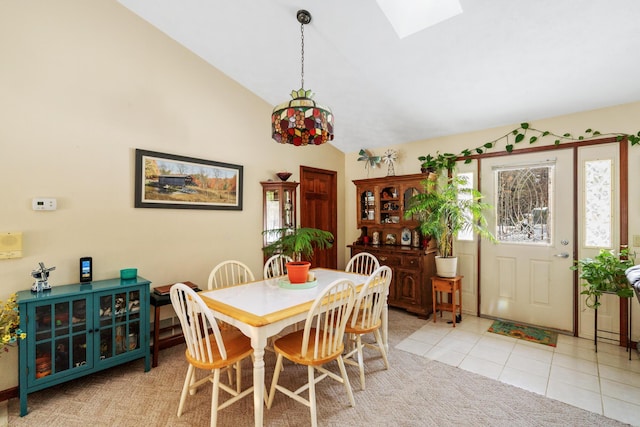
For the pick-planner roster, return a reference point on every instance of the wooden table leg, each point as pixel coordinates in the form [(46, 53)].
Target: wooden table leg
[(156, 335)]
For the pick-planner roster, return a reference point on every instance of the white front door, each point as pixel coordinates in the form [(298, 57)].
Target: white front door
[(527, 276)]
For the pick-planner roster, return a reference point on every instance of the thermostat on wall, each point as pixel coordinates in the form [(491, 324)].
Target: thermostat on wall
[(44, 204)]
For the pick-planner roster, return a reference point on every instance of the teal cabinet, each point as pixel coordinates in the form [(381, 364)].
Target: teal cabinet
[(75, 330)]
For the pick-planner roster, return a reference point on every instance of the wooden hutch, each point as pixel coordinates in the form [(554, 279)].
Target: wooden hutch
[(380, 207)]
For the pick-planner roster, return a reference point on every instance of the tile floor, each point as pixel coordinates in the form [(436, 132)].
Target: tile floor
[(606, 382)]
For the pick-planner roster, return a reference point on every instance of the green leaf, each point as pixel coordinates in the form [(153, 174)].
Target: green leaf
[(567, 135), (509, 148), (479, 150), (467, 161), (545, 133), (514, 132), (580, 138), (519, 137), (524, 125), (533, 139), (488, 145), (596, 133), (557, 142), (466, 152), (588, 131), (619, 138)]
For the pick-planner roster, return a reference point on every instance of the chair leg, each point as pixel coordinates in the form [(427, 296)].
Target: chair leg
[(214, 397), (185, 388), (312, 395), (238, 376), (345, 381), (274, 382), (360, 360), (382, 349)]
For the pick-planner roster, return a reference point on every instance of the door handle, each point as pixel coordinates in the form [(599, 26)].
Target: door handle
[(562, 255)]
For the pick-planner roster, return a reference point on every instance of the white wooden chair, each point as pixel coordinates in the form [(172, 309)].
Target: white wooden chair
[(229, 273), (208, 349), (362, 263), (320, 342), (276, 266), (367, 318)]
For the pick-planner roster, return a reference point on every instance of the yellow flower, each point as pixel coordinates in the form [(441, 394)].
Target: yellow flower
[(9, 323)]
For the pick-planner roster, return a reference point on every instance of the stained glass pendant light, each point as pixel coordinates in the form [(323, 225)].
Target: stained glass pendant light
[(301, 121)]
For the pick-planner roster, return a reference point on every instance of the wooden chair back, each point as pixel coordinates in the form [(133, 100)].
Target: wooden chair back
[(367, 310), (276, 266), (362, 263), (229, 273)]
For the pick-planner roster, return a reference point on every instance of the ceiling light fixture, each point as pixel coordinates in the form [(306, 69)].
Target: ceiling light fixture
[(301, 121)]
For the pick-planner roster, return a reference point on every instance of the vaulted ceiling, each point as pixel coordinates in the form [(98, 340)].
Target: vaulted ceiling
[(498, 62)]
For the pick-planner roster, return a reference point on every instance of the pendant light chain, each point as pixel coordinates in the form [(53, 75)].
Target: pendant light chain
[(302, 53)]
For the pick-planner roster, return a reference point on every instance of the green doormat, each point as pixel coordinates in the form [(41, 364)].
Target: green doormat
[(524, 332)]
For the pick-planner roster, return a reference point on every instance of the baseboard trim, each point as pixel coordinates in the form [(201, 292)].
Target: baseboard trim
[(9, 393)]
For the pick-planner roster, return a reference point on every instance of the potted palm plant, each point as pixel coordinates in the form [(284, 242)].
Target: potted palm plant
[(604, 274), (299, 244), (443, 211)]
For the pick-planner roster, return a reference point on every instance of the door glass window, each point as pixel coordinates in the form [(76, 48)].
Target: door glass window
[(523, 207), (466, 234), (598, 202)]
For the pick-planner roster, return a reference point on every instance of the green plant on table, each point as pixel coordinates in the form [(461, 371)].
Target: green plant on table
[(604, 274), (297, 243), (10, 331)]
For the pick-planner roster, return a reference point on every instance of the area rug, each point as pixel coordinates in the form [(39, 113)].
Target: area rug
[(524, 332)]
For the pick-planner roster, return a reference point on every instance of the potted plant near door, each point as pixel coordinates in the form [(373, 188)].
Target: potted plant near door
[(443, 211), (299, 244), (605, 274)]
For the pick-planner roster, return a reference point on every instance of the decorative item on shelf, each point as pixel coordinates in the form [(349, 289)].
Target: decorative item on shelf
[(376, 238), (298, 243), (405, 237), (10, 331), (390, 157), (128, 273), (415, 238), (284, 175), (391, 239), (301, 121), (42, 278)]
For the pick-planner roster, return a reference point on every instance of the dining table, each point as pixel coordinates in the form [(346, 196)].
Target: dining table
[(263, 308)]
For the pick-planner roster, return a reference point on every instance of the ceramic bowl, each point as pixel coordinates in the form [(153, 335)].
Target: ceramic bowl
[(284, 175)]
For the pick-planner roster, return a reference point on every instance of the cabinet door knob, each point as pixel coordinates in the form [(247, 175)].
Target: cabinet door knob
[(383, 258)]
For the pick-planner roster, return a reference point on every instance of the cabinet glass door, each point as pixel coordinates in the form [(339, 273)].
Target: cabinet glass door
[(367, 206), (389, 206), (61, 336), (407, 195), (119, 323)]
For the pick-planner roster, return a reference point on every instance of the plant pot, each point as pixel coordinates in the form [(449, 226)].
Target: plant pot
[(446, 267), (297, 271)]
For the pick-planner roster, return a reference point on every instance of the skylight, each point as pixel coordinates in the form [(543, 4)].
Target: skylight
[(410, 16)]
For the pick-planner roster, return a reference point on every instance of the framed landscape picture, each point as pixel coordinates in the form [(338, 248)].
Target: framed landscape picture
[(177, 182)]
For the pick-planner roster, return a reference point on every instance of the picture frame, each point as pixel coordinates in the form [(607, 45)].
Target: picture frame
[(170, 181)]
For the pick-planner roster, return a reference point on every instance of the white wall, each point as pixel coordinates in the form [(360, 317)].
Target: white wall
[(82, 85)]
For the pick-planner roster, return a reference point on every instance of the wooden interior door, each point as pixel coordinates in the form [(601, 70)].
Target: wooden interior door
[(318, 209)]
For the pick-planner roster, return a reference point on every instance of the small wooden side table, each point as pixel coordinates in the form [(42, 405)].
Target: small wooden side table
[(158, 300), (449, 286)]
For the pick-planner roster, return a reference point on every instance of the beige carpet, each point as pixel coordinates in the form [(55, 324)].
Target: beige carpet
[(414, 392)]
